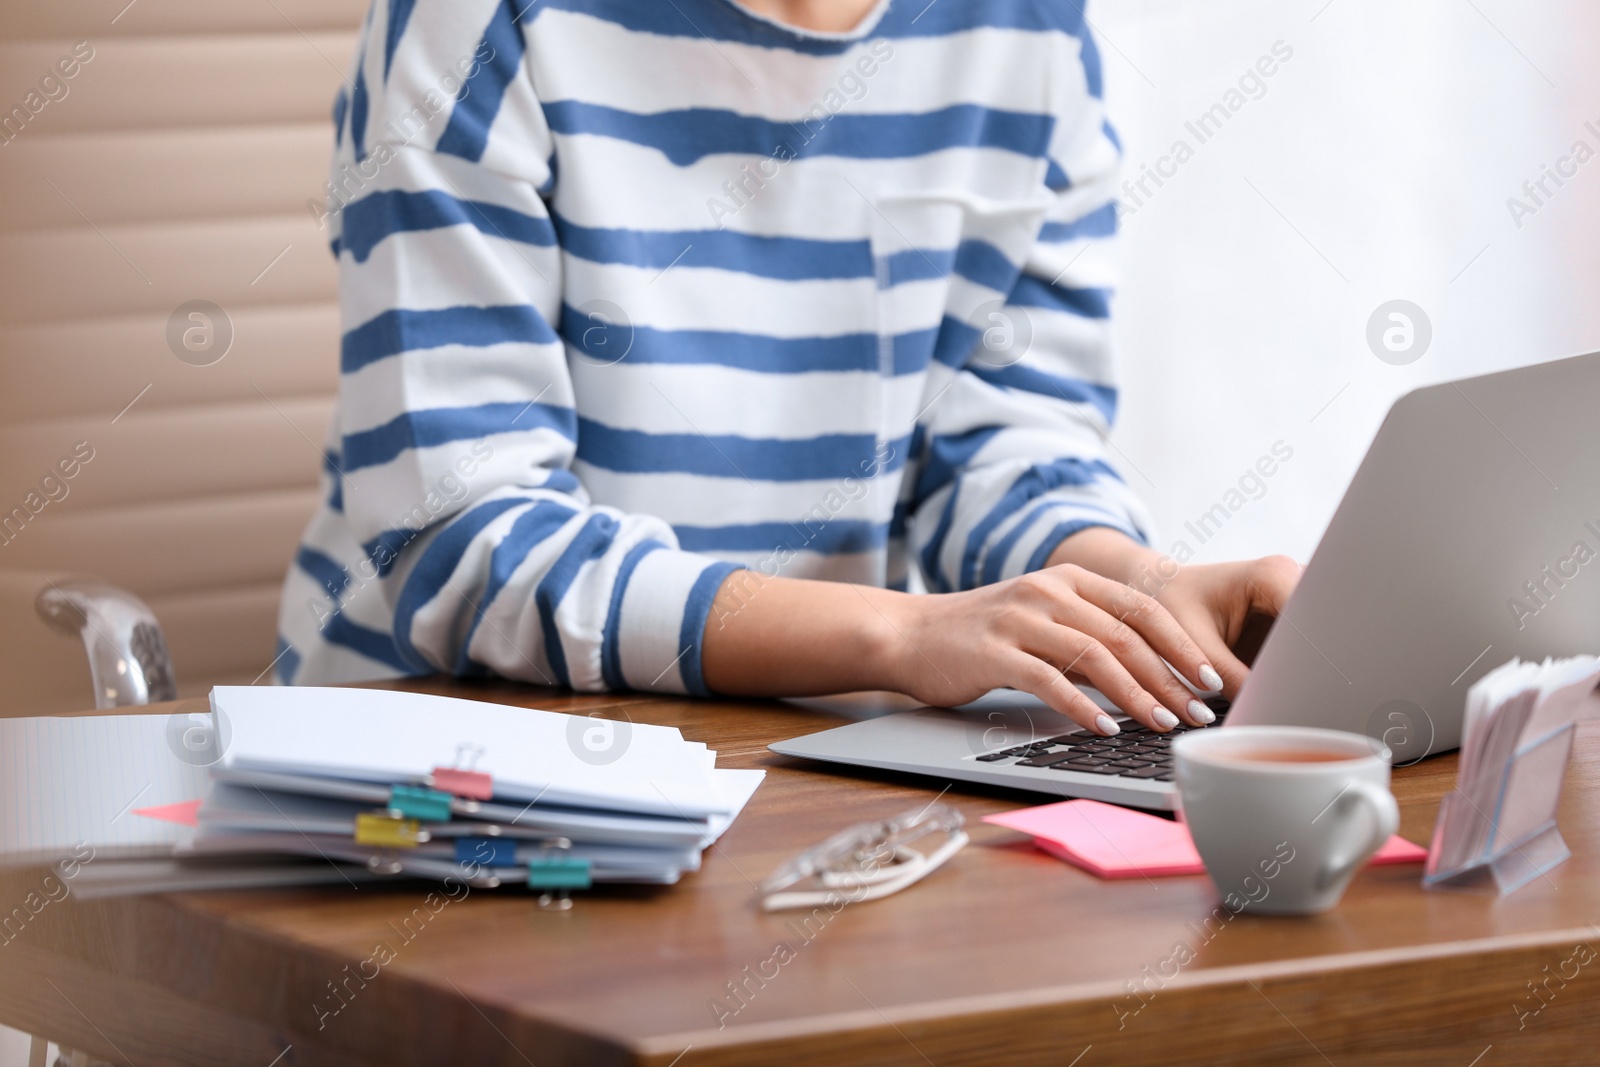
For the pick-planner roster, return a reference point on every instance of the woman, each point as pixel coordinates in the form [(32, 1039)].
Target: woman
[(682, 338)]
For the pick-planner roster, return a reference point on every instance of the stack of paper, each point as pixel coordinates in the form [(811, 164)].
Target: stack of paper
[(283, 785), (1515, 741)]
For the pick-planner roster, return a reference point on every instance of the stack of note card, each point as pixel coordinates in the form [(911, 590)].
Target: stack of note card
[(282, 785), (1498, 826)]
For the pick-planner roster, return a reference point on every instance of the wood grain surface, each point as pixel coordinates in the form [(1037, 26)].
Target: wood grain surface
[(1005, 956)]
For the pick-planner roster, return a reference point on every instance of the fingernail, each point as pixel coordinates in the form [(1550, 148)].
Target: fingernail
[(1163, 718), (1210, 678), (1200, 713), (1106, 725)]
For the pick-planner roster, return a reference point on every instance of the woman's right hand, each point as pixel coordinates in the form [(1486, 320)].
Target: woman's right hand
[(1040, 633)]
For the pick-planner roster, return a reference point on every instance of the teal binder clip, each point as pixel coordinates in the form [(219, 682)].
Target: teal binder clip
[(420, 802), (557, 872)]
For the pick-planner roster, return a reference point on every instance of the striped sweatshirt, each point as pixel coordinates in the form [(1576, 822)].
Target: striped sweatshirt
[(638, 293)]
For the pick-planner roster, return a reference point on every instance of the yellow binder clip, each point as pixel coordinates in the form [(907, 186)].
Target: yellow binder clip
[(389, 831)]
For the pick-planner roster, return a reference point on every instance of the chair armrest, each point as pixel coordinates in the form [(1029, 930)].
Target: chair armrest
[(128, 658), (127, 654)]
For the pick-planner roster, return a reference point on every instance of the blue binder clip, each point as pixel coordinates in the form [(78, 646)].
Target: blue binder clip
[(486, 851)]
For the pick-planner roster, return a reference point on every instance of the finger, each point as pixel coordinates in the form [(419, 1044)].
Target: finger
[(1155, 624), (1232, 670), (1148, 668), (1086, 655), (1269, 582), (1033, 675)]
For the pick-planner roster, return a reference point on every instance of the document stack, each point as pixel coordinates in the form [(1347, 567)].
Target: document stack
[(1497, 829), (279, 786)]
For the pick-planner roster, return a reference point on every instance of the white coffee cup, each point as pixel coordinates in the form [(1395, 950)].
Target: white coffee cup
[(1284, 816)]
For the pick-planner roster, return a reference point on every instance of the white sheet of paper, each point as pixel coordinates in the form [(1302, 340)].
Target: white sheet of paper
[(737, 786), (382, 736), (73, 782)]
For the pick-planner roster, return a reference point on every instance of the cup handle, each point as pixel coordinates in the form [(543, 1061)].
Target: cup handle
[(1378, 802)]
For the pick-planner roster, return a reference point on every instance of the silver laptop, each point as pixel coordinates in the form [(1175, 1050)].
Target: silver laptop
[(1470, 534)]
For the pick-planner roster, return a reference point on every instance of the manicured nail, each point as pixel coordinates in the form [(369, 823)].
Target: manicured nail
[(1106, 725), (1210, 678), (1200, 713), (1163, 719)]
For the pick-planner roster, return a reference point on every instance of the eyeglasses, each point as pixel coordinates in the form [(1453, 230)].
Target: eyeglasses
[(866, 861)]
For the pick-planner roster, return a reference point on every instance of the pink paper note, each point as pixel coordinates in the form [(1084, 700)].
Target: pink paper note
[(184, 814), (1115, 842)]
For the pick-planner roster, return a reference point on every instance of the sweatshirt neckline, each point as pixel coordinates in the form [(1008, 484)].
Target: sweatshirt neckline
[(868, 23)]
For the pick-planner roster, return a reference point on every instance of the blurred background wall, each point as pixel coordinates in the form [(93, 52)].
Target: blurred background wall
[(1374, 164)]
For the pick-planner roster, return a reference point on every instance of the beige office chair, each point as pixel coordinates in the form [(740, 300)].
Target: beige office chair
[(168, 325), (157, 158), (72, 643)]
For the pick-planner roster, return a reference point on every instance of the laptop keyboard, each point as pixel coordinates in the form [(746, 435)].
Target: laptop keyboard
[(1137, 752)]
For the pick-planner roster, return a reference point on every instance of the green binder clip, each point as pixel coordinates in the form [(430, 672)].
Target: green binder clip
[(557, 872), (420, 802)]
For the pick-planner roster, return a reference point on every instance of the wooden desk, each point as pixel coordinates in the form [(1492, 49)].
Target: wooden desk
[(1006, 956)]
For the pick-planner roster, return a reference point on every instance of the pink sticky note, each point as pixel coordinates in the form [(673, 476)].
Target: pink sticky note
[(184, 814), (1115, 842)]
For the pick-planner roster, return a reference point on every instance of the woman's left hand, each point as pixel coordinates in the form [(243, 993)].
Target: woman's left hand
[(1213, 601)]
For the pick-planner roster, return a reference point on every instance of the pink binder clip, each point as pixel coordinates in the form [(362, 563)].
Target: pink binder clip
[(474, 785)]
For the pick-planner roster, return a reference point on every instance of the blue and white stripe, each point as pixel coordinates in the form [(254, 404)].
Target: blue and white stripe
[(635, 294)]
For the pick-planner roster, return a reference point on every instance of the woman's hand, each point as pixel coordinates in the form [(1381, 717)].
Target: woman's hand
[(1213, 601), (1107, 612), (1043, 631)]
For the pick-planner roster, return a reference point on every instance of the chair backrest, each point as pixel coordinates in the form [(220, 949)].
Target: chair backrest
[(168, 324)]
